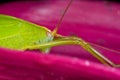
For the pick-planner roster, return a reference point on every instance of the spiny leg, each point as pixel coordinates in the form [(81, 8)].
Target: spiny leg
[(76, 41)]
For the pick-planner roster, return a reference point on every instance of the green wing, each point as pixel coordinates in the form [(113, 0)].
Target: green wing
[(16, 33)]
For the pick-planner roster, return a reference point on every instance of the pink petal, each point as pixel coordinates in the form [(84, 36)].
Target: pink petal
[(16, 65)]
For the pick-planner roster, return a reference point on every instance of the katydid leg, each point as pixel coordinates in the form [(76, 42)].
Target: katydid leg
[(75, 41)]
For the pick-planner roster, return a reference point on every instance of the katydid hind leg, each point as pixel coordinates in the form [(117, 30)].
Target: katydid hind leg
[(75, 41), (86, 46)]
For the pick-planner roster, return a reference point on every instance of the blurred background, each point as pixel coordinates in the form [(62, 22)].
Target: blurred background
[(2, 1)]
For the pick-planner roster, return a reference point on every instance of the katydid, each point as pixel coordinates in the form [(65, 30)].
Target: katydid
[(21, 35)]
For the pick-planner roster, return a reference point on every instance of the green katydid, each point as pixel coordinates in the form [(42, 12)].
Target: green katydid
[(16, 34)]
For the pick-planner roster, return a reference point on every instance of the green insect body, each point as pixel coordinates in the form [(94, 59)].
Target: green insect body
[(17, 34), (21, 35)]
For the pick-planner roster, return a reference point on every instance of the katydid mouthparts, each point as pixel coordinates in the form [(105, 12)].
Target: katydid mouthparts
[(19, 34)]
